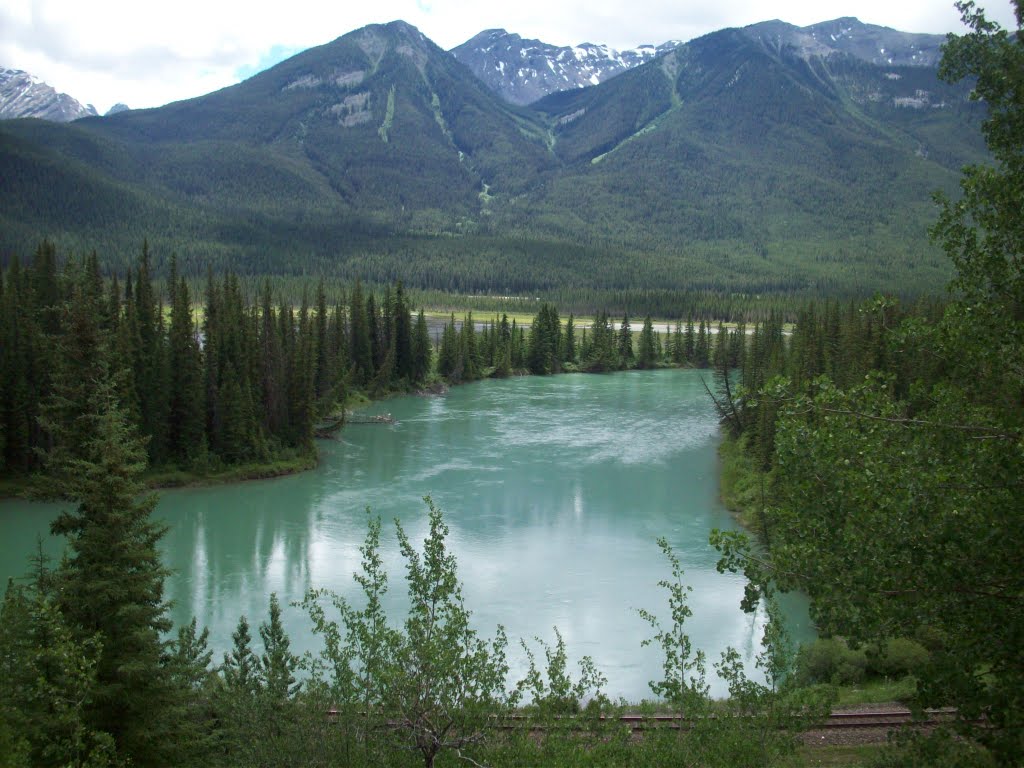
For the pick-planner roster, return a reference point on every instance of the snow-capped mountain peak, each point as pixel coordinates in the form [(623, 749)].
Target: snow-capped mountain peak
[(523, 70), (24, 95)]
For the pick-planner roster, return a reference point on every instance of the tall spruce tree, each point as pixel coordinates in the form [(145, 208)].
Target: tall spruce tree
[(569, 341), (405, 367), (647, 353), (186, 409), (110, 582), (625, 343), (421, 350), (150, 390), (360, 343)]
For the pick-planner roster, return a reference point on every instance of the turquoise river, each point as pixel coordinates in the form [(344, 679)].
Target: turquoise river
[(555, 490)]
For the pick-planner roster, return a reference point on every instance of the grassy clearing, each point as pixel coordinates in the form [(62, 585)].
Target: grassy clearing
[(877, 692)]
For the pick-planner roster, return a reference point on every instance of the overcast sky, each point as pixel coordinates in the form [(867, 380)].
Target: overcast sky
[(150, 53)]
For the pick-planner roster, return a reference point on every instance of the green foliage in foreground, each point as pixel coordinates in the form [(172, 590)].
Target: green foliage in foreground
[(895, 454)]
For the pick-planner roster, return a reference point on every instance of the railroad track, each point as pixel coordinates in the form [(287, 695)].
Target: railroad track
[(836, 721), (886, 719)]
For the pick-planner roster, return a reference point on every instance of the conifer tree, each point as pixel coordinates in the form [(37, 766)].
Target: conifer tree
[(448, 350), (360, 344), (468, 350), (702, 347), (322, 376), (301, 392), (678, 345), (646, 354), (421, 351), (150, 390), (277, 665), (569, 341), (111, 581), (47, 673), (376, 334), (186, 428), (690, 342), (516, 345), (405, 367), (625, 345), (273, 387), (545, 338), (18, 403)]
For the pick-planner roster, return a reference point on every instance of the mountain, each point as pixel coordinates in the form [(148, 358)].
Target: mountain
[(379, 131), (119, 107), (739, 162), (22, 95), (766, 158), (866, 42), (522, 71)]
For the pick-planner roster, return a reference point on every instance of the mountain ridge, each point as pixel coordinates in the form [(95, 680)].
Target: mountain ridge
[(525, 70), (735, 162)]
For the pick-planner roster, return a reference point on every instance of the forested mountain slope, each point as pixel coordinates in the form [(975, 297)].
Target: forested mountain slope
[(737, 162), (763, 154)]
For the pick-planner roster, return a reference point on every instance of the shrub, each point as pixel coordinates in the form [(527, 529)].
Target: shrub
[(897, 657), (830, 660)]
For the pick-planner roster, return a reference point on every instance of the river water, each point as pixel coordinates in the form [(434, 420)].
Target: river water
[(555, 490)]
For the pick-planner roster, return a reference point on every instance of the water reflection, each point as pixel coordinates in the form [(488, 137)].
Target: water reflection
[(554, 490)]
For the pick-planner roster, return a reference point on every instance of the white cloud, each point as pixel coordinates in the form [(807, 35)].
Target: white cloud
[(147, 54)]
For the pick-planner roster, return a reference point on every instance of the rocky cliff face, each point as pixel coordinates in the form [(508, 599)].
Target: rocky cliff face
[(867, 42), (522, 71), (22, 95)]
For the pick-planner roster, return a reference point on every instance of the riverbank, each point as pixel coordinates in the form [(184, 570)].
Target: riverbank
[(156, 479), (177, 478), (743, 488)]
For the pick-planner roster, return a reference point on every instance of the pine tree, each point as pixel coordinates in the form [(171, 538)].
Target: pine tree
[(678, 344), (468, 350), (19, 403), (690, 342), (405, 365), (273, 387), (421, 351), (186, 428), (111, 582), (545, 337), (301, 385), (150, 390), (47, 674), (647, 355), (702, 348), (278, 665), (569, 341), (376, 334), (448, 350), (360, 344), (625, 345), (323, 374)]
